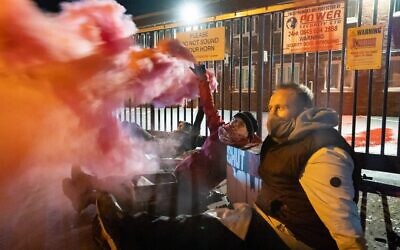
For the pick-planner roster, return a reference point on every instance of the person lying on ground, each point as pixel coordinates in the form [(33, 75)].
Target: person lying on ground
[(169, 144)]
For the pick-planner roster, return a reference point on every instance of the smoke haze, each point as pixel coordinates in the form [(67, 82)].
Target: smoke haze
[(61, 78)]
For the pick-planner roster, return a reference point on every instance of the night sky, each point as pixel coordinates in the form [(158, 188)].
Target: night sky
[(134, 7)]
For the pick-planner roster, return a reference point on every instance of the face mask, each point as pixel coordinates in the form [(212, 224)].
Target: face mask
[(280, 128), (229, 136)]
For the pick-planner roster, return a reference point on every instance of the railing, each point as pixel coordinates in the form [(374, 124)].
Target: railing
[(367, 101)]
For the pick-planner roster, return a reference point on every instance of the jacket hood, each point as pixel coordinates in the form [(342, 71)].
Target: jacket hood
[(313, 119)]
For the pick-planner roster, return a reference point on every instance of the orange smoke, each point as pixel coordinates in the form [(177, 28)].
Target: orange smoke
[(62, 77)]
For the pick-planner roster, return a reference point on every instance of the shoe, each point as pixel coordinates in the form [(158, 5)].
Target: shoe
[(110, 217), (216, 199), (79, 197)]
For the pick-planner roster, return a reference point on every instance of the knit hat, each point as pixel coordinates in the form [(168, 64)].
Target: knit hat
[(249, 120)]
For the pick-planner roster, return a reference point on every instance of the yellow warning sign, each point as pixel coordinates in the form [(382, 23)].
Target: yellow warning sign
[(205, 45), (364, 47)]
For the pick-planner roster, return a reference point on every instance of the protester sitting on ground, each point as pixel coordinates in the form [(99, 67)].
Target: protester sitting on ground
[(307, 200), (205, 168), (196, 175)]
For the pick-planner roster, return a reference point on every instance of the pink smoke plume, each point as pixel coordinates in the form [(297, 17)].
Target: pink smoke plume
[(61, 78)]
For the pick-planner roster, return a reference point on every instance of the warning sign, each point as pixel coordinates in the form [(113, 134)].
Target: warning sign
[(205, 45), (316, 28), (364, 47)]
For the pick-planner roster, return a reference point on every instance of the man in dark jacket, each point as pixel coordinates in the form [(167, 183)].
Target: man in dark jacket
[(310, 181)]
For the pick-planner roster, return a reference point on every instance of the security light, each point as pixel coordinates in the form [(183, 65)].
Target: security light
[(190, 12)]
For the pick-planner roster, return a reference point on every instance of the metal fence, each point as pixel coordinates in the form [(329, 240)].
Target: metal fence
[(368, 101)]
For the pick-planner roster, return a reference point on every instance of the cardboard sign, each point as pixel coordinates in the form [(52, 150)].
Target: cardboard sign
[(316, 28), (364, 47), (243, 182), (205, 45)]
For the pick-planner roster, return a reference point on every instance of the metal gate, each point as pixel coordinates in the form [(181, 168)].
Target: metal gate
[(368, 101)]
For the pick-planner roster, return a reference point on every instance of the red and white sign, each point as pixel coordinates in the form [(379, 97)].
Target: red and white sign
[(316, 28)]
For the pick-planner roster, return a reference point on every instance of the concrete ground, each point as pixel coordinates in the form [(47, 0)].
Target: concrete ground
[(375, 230)]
